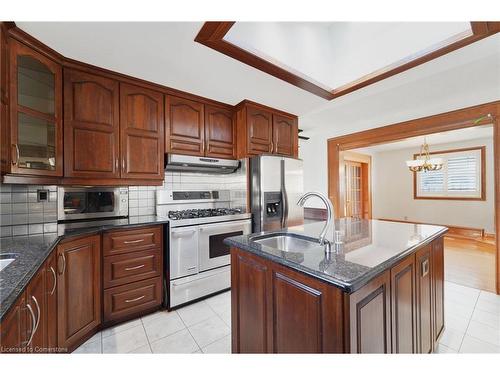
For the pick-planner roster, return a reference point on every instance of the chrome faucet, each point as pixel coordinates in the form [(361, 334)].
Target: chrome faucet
[(329, 212)]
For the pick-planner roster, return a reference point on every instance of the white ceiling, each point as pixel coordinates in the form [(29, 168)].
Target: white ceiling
[(165, 53), (478, 132)]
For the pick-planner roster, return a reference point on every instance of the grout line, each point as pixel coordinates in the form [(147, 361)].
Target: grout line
[(147, 337), (468, 324)]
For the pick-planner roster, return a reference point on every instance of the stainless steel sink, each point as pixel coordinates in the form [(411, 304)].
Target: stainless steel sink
[(287, 242), (6, 259)]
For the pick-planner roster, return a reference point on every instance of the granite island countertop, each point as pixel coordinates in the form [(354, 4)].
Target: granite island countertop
[(32, 250), (369, 248)]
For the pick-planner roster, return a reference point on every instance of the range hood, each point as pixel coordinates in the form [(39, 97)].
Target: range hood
[(200, 164)]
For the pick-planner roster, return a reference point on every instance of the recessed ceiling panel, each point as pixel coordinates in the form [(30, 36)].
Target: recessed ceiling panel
[(335, 54)]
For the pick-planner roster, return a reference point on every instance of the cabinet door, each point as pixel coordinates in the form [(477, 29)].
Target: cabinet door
[(250, 305), (36, 302), (285, 134), (220, 133), (141, 132), (424, 300), (437, 270), (259, 130), (91, 126), (13, 337), (51, 300), (370, 316), (35, 112), (184, 126), (78, 289), (403, 304)]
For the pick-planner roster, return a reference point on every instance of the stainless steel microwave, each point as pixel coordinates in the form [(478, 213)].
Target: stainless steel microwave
[(76, 203)]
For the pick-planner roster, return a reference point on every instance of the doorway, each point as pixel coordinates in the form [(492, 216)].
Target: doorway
[(484, 114)]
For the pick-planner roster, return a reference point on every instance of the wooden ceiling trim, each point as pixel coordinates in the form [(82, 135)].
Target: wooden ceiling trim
[(212, 35)]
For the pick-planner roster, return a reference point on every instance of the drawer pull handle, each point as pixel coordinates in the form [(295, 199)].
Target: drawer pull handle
[(134, 299), (135, 241), (55, 280), (191, 268), (425, 267), (134, 268)]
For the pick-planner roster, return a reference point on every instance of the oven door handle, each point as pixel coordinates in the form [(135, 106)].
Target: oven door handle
[(180, 234)]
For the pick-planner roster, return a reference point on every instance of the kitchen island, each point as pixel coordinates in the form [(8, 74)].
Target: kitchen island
[(380, 291)]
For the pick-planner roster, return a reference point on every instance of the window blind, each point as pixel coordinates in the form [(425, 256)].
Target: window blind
[(460, 176)]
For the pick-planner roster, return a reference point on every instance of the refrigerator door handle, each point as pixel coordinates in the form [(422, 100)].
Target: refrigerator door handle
[(284, 197)]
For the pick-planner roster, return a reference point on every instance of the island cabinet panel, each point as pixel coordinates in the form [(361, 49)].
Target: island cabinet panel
[(78, 289), (424, 300), (184, 126), (437, 271), (91, 126), (141, 132), (297, 316), (278, 310), (403, 305), (220, 133), (251, 308), (370, 317)]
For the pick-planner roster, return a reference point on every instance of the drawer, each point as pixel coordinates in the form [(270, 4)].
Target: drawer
[(129, 240), (132, 299), (126, 268)]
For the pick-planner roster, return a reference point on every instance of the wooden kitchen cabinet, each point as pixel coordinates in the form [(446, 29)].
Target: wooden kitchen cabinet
[(437, 272), (285, 135), (370, 317), (263, 129), (220, 133), (37, 305), (35, 133), (78, 290), (184, 126), (423, 259), (91, 126), (277, 310), (141, 132), (51, 300), (13, 335), (403, 305)]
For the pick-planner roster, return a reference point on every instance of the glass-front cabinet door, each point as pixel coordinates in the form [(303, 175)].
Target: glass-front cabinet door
[(36, 112)]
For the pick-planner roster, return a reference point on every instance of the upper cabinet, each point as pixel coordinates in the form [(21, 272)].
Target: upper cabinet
[(184, 126), (35, 97), (220, 133), (141, 132), (198, 129), (91, 126), (264, 130)]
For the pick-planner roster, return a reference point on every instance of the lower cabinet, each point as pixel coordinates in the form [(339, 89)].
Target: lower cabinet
[(13, 334), (279, 310), (51, 301), (78, 290), (370, 317), (37, 311)]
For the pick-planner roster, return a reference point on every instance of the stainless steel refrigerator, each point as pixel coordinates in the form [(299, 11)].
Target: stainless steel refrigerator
[(276, 184)]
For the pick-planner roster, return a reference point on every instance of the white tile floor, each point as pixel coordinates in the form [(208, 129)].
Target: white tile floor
[(472, 326)]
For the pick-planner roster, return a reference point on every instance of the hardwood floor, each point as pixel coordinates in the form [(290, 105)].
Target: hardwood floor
[(470, 263)]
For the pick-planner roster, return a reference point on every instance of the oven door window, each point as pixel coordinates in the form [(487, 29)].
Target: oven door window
[(216, 247), (89, 202)]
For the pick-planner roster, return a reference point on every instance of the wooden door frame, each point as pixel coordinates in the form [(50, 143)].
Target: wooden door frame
[(453, 120), (362, 159)]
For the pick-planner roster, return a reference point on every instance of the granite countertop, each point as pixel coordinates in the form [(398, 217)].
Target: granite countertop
[(369, 247), (32, 250)]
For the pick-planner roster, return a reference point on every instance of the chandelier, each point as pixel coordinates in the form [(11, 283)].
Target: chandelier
[(424, 161)]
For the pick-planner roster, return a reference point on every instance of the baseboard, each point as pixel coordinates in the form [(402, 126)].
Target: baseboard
[(313, 213)]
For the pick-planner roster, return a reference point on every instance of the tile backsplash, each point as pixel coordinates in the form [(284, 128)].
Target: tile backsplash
[(141, 200), (21, 213)]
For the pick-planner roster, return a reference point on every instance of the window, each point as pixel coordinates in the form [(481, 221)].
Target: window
[(462, 176)]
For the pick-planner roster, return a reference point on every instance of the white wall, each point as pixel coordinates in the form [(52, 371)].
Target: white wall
[(440, 86), (392, 191)]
